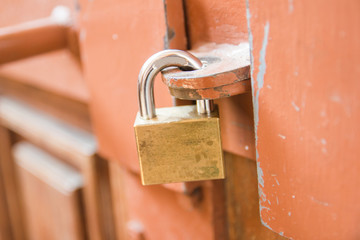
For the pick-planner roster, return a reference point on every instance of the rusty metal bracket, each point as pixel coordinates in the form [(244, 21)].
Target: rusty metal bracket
[(226, 72)]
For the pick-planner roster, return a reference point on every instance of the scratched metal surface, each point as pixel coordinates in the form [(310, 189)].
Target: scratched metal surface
[(225, 73)]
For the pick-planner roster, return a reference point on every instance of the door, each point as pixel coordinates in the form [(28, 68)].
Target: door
[(305, 81), (290, 140), (123, 35)]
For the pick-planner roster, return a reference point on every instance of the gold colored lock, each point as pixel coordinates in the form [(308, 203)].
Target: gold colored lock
[(176, 144)]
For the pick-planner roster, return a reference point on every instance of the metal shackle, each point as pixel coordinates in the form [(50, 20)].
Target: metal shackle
[(156, 63)]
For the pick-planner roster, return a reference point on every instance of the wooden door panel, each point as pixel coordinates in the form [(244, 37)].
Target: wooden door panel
[(306, 110), (211, 21), (155, 212), (75, 147), (47, 131), (136, 207), (51, 192), (114, 105), (116, 38)]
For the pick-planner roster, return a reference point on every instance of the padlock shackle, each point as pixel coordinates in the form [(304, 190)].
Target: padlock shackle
[(156, 63)]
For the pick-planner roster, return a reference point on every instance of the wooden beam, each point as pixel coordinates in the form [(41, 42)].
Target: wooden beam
[(31, 38)]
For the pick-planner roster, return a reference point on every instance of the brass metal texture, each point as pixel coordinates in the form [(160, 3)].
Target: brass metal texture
[(179, 145)]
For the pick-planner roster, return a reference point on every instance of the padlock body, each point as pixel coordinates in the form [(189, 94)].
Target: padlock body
[(179, 145)]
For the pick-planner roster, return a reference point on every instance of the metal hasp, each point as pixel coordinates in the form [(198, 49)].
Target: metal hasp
[(226, 72)]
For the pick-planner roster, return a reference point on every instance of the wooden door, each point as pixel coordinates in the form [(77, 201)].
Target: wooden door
[(306, 109), (289, 143), (124, 34)]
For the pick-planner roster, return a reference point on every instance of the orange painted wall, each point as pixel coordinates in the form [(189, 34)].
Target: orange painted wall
[(306, 109)]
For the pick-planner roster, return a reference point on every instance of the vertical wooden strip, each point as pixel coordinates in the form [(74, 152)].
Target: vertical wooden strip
[(175, 36), (118, 200), (242, 201), (97, 197), (105, 199), (11, 187), (5, 224), (92, 210), (219, 214)]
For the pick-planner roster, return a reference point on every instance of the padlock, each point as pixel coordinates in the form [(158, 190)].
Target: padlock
[(176, 144)]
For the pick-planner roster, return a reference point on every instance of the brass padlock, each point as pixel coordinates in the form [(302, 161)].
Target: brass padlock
[(176, 144)]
